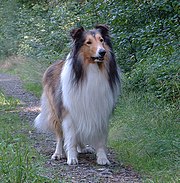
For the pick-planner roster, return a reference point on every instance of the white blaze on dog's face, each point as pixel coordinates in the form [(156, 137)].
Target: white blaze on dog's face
[(95, 46)]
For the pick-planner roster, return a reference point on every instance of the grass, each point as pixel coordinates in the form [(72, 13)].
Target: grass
[(18, 159), (145, 135)]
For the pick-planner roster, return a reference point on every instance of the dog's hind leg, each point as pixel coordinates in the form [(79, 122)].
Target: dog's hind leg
[(84, 149), (70, 142), (59, 152)]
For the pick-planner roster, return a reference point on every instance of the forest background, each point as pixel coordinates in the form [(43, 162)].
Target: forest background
[(145, 36)]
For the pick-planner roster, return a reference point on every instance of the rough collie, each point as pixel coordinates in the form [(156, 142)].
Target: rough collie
[(79, 95)]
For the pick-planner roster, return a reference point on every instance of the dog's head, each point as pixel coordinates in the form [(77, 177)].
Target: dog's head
[(93, 45)]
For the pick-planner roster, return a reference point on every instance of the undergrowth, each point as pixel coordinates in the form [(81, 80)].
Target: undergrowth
[(145, 134)]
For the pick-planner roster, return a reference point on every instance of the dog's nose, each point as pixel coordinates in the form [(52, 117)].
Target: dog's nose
[(102, 52)]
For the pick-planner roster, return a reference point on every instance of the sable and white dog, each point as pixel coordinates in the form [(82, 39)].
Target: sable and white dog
[(79, 95)]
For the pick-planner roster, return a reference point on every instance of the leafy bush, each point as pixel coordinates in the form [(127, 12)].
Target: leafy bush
[(142, 32), (159, 75)]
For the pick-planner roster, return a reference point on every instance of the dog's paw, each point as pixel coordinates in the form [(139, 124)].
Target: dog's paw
[(86, 150), (103, 161), (72, 161), (56, 156)]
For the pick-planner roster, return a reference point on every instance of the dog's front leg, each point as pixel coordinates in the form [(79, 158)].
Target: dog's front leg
[(101, 154), (70, 142)]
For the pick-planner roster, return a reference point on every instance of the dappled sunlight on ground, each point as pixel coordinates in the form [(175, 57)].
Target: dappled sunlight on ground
[(31, 109)]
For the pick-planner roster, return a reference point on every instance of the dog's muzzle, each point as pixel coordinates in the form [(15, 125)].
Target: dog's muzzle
[(101, 54), (98, 59)]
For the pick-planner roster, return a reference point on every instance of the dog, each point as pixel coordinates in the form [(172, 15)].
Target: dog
[(79, 95)]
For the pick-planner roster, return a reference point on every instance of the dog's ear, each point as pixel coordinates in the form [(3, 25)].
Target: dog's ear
[(104, 29), (77, 33)]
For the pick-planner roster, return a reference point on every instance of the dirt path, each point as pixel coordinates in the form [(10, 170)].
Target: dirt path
[(87, 170)]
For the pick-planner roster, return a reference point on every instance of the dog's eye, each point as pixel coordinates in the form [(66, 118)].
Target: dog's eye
[(88, 42), (101, 40)]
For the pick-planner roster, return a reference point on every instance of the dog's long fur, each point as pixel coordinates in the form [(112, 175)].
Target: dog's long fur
[(79, 95)]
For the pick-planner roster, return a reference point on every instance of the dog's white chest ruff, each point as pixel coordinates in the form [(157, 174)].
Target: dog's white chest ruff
[(89, 104)]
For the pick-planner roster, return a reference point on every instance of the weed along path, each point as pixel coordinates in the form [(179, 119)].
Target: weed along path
[(87, 170)]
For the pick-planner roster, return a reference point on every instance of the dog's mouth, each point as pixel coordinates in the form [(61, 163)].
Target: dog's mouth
[(97, 59)]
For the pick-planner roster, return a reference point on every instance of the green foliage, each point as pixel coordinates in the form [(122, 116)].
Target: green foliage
[(8, 27), (159, 75)]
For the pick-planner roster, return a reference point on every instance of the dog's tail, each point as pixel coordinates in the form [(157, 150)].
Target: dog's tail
[(41, 122)]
